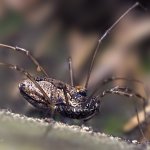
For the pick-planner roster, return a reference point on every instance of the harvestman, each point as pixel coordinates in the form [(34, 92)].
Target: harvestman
[(70, 101)]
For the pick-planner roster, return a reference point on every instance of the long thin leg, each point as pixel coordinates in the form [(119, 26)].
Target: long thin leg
[(110, 79), (103, 37), (14, 67), (124, 91), (127, 79), (28, 54), (71, 71)]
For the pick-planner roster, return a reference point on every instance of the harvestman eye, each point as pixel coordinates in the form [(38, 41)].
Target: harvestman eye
[(53, 95)]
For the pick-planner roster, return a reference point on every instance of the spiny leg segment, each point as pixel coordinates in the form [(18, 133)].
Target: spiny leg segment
[(111, 79), (103, 37), (132, 80), (28, 54), (124, 91)]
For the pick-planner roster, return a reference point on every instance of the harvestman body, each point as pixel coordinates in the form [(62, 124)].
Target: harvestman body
[(70, 101)]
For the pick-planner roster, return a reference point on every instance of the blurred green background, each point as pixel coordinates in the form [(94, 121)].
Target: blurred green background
[(53, 30)]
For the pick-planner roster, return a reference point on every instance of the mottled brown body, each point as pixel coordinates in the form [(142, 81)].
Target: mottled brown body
[(77, 106), (51, 88)]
